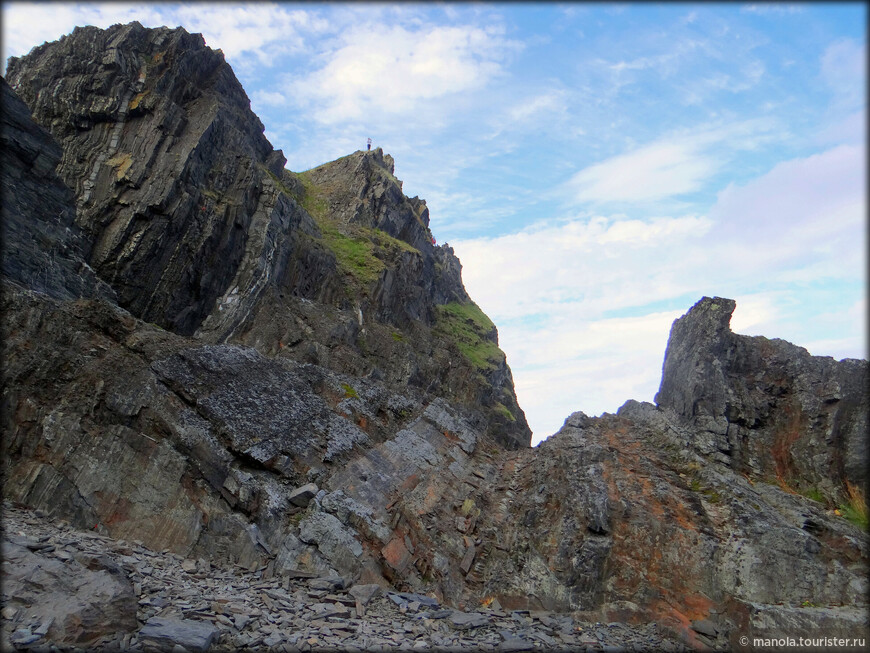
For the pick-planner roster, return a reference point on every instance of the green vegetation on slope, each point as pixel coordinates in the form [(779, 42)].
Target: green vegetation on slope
[(354, 246), (855, 507), (504, 411), (468, 327)]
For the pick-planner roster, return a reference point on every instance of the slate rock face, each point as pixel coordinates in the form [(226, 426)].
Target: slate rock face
[(767, 407), (166, 159), (41, 247)]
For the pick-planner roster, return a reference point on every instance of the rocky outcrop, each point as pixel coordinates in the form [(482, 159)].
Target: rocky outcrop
[(191, 217), (168, 168), (202, 448), (767, 407)]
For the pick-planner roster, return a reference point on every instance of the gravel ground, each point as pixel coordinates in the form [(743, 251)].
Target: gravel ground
[(185, 604)]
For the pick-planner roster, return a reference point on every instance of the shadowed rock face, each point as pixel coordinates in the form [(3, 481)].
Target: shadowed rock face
[(336, 350), (41, 247), (167, 167)]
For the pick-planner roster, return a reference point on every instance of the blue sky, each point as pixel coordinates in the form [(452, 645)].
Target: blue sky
[(597, 167)]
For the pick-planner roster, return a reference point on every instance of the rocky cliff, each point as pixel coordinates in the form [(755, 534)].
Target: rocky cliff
[(767, 407), (280, 371), (192, 219)]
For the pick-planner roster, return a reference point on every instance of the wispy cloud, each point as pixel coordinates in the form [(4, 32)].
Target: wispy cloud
[(408, 67), (844, 70), (677, 164), (653, 172), (772, 8), (543, 110)]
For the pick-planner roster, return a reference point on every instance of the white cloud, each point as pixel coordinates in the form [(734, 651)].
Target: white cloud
[(849, 130), (26, 25), (798, 205), (408, 67), (263, 31), (772, 8), (844, 70), (676, 164), (653, 172), (596, 264), (614, 360), (579, 303)]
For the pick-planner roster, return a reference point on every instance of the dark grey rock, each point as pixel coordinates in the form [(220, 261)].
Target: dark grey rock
[(302, 496), (765, 406), (192, 635), (705, 627), (465, 620), (41, 249), (365, 593), (516, 644), (329, 583), (422, 599), (70, 604)]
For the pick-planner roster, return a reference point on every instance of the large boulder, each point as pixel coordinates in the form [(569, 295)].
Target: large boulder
[(68, 603)]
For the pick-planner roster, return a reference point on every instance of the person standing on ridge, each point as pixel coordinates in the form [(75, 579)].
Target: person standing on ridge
[(368, 143)]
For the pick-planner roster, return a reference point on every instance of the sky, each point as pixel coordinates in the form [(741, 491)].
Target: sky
[(597, 168)]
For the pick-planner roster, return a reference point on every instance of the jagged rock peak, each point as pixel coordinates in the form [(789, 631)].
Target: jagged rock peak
[(765, 406), (192, 219), (713, 311), (166, 159), (361, 188)]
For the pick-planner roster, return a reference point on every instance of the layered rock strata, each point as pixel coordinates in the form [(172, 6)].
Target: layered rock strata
[(41, 247)]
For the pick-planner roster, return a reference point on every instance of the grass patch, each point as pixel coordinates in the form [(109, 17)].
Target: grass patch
[(349, 392), (814, 494), (312, 200), (855, 507), (355, 255), (354, 252), (468, 327), (505, 412), (398, 337), (385, 240)]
